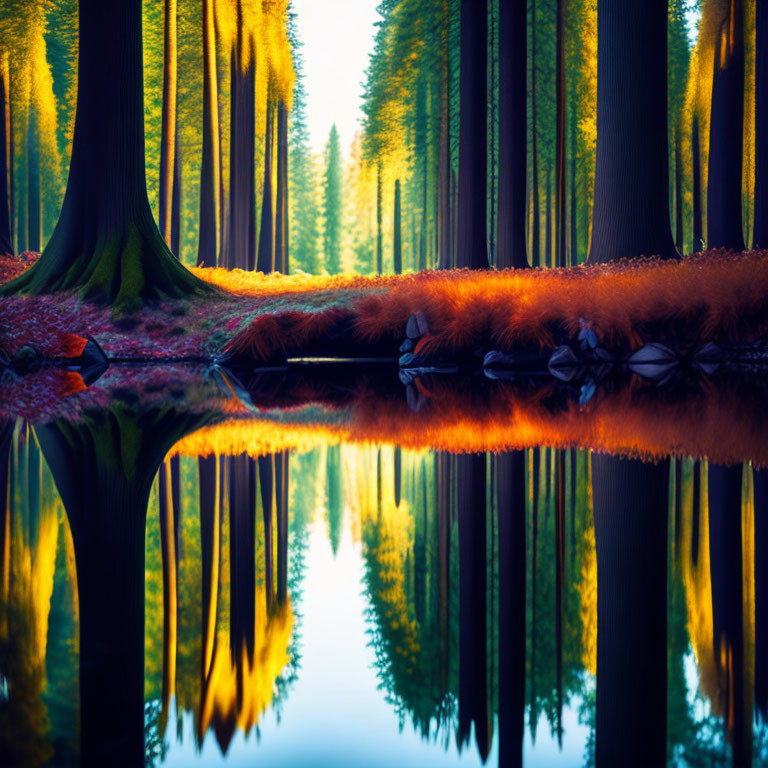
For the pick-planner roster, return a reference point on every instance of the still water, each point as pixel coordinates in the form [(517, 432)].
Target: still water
[(348, 603)]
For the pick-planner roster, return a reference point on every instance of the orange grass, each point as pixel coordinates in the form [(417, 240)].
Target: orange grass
[(719, 295), (725, 427)]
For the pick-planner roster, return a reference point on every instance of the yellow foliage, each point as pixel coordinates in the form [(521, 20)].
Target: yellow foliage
[(587, 589)]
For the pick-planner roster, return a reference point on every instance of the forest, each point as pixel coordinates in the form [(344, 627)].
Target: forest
[(511, 343)]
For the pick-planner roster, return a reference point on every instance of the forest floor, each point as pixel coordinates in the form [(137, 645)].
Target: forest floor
[(715, 296)]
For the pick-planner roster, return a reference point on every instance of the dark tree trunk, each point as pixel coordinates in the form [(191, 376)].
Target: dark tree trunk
[(397, 249), (445, 226), (168, 133), (266, 259), (548, 261), (473, 663), (724, 225), (560, 137), (281, 200), (242, 533), (696, 513), (574, 249), (210, 169), (760, 233), (513, 132), (630, 216), (536, 462), (725, 544), (106, 503), (379, 236), (510, 481), (6, 159), (34, 213), (473, 138), (761, 591), (696, 162), (175, 243), (398, 474), (106, 243), (242, 193), (678, 188), (630, 509), (535, 213), (559, 579)]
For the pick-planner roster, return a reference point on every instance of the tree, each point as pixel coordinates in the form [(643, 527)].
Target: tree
[(760, 238), (724, 225), (472, 240), (210, 171), (513, 134), (106, 244), (332, 203), (169, 135), (631, 219), (6, 157), (397, 248)]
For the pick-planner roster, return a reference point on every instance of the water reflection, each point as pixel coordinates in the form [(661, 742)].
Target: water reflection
[(522, 607)]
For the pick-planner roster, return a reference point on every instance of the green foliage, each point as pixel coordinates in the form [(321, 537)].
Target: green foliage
[(332, 203)]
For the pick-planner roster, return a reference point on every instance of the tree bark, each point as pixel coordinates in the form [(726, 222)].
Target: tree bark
[(210, 169), (630, 216), (560, 137), (106, 244), (473, 140), (168, 132), (34, 213), (379, 236), (6, 158), (397, 250), (698, 243), (266, 258), (242, 192), (513, 135), (281, 200), (724, 225), (760, 233), (761, 591), (630, 509)]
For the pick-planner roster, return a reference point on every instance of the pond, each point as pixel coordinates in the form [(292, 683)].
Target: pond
[(201, 567)]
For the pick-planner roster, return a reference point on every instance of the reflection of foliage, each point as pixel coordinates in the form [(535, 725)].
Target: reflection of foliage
[(155, 747)]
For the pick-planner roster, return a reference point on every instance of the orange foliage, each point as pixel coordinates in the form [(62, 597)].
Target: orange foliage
[(722, 295), (723, 426)]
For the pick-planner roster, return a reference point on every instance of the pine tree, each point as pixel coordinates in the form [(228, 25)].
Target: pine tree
[(332, 203)]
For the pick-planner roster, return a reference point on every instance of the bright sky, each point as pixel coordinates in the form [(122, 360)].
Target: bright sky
[(337, 36)]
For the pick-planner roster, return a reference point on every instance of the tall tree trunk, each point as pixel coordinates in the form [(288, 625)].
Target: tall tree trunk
[(176, 202), (760, 233), (574, 249), (379, 235), (34, 213), (242, 192), (678, 187), (106, 243), (169, 548), (535, 213), (513, 134), (210, 169), (6, 158), (630, 216), (282, 487), (510, 490), (473, 138), (444, 226), (560, 136), (281, 201), (698, 243), (630, 509), (266, 259), (548, 259), (397, 249), (724, 225), (168, 133)]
